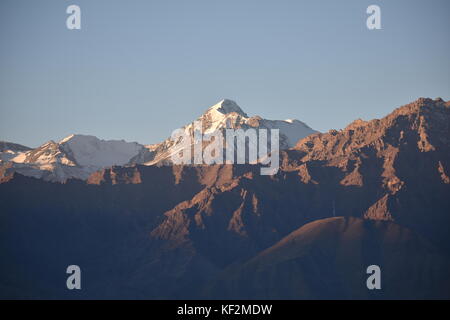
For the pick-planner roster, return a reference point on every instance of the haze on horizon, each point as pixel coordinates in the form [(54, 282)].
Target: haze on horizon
[(137, 71)]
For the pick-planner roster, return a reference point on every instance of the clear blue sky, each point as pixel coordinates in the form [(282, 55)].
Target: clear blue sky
[(139, 69)]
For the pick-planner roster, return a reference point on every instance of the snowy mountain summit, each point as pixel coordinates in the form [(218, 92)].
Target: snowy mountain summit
[(227, 106), (226, 114), (93, 152), (78, 156)]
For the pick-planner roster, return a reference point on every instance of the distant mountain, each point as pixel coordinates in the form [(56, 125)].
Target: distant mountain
[(228, 115), (78, 156), (182, 231), (10, 150)]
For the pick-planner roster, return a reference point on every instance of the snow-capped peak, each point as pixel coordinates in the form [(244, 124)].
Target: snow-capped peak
[(226, 114), (75, 156), (89, 150), (227, 106)]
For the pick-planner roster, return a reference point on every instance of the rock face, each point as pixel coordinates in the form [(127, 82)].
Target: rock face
[(172, 231)]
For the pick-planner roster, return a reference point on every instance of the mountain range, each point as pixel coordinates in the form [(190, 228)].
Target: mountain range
[(78, 156), (375, 192)]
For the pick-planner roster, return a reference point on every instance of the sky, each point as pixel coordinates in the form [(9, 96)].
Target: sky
[(139, 69)]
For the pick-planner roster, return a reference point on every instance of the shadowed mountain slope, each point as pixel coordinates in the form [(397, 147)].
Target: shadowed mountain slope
[(327, 259)]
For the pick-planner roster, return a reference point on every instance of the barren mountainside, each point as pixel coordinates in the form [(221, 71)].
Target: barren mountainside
[(326, 259)]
